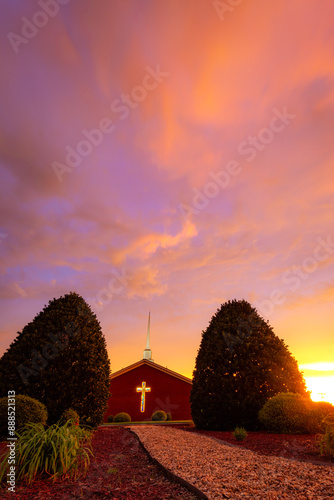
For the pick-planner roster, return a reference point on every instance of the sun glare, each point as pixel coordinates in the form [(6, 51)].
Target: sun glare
[(322, 388), (322, 366), (319, 378)]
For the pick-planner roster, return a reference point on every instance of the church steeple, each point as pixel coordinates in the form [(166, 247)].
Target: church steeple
[(147, 351)]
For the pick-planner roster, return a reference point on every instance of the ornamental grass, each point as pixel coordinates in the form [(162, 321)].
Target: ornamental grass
[(59, 450)]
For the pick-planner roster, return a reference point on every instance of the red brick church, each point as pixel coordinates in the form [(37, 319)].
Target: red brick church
[(144, 387)]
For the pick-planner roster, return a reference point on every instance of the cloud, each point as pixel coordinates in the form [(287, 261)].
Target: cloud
[(119, 208)]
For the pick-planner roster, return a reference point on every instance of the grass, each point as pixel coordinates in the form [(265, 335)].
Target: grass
[(59, 450)]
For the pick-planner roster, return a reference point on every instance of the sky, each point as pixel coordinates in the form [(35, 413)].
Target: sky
[(167, 157)]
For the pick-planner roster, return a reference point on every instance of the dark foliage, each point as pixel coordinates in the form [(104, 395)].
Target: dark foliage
[(240, 364), (159, 416), (27, 410), (70, 414), (122, 417), (286, 413), (60, 358)]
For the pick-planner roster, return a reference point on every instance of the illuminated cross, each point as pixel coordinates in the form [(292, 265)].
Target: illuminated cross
[(143, 389)]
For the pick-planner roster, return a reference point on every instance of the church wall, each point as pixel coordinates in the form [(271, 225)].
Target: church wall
[(168, 393)]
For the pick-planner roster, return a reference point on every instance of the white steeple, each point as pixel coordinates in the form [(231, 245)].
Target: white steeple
[(147, 351)]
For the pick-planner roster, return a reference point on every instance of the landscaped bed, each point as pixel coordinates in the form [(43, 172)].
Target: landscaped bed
[(222, 471), (121, 469), (302, 447)]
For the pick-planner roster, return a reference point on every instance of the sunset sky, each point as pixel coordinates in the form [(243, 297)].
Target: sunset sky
[(169, 156)]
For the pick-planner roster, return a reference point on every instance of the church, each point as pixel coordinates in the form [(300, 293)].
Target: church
[(145, 387)]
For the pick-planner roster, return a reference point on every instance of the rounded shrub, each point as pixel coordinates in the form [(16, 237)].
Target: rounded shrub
[(122, 417), (239, 433), (110, 418), (319, 411), (159, 416), (286, 413), (169, 417), (27, 410), (3, 417), (70, 414)]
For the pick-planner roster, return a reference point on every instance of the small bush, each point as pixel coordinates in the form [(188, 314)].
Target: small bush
[(169, 417), (326, 440), (239, 433), (110, 418), (70, 414), (286, 413), (27, 410), (86, 421), (159, 416), (56, 451), (318, 412), (122, 417)]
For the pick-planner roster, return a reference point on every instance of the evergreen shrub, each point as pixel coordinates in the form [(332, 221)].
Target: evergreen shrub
[(169, 417), (239, 433), (240, 364), (61, 359), (110, 418), (318, 412), (159, 416), (122, 417), (70, 414), (326, 440), (27, 410), (286, 413)]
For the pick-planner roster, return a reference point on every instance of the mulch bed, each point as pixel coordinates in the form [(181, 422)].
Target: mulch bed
[(302, 447), (120, 470), (234, 472)]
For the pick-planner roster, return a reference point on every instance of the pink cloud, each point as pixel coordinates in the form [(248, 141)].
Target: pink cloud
[(120, 206)]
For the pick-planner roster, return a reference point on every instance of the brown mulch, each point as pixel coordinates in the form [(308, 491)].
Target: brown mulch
[(234, 472), (302, 447), (120, 470)]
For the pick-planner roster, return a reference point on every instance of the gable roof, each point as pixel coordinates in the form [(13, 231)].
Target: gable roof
[(152, 365)]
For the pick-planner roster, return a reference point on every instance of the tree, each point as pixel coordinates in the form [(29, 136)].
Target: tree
[(60, 358), (240, 364)]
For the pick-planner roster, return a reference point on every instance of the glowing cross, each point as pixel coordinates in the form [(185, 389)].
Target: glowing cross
[(143, 389)]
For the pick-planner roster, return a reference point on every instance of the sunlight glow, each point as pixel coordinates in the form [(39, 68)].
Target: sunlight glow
[(322, 388), (320, 366)]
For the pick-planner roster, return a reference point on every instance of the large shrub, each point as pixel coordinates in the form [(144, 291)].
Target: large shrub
[(27, 410), (122, 417), (286, 413), (159, 416), (240, 364), (293, 413), (52, 452), (60, 358)]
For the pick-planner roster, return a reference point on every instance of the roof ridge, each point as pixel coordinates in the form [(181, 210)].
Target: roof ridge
[(153, 365)]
